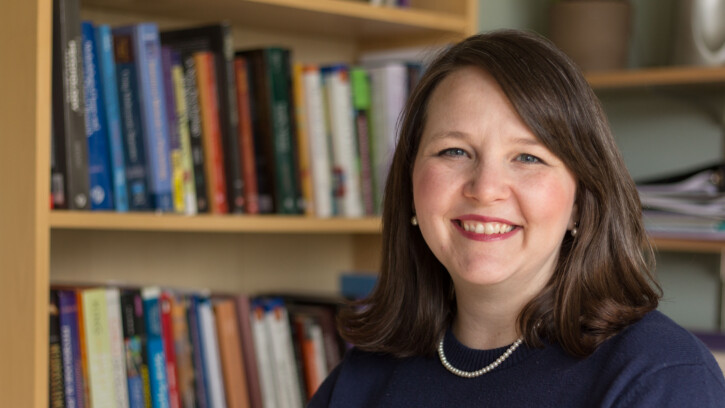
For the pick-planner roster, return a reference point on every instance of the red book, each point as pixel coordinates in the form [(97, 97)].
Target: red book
[(246, 140), (211, 132), (167, 336)]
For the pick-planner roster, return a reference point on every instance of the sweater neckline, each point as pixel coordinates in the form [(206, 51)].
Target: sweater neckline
[(468, 359)]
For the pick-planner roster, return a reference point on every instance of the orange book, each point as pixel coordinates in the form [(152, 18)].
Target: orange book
[(246, 140), (211, 132), (230, 351), (82, 341), (303, 143)]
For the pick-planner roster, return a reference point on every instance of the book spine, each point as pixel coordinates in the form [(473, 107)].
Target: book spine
[(321, 168), (344, 146), (246, 138), (107, 68), (191, 97), (263, 350), (69, 179), (281, 123), (56, 398), (210, 349), (202, 396), (98, 343), (189, 188), (136, 179), (214, 160), (280, 333), (115, 334), (133, 337), (82, 342), (303, 142), (248, 351), (360, 84), (155, 348), (230, 351), (153, 111), (99, 163), (177, 171), (183, 350), (70, 342), (165, 305)]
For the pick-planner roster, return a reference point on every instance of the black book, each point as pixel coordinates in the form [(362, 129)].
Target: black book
[(217, 38), (55, 363), (69, 172), (195, 133)]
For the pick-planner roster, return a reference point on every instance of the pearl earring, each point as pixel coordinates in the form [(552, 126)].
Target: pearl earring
[(574, 231), (414, 221)]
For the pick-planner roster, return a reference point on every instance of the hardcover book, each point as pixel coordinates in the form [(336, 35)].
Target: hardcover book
[(191, 97), (70, 341)]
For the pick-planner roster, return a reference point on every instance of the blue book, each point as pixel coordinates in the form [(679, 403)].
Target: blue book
[(133, 139), (107, 69), (146, 42), (155, 348), (71, 349), (99, 162)]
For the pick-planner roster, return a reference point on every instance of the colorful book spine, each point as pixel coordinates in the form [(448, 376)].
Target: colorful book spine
[(99, 163), (344, 146), (214, 159), (263, 349), (246, 138), (175, 153), (70, 342), (202, 396), (303, 142), (115, 335), (130, 109), (320, 166), (360, 83), (55, 359), (107, 68), (248, 350), (165, 306), (134, 341), (69, 162), (153, 111), (230, 351), (189, 187), (183, 350), (155, 348), (283, 356), (191, 97), (98, 344), (82, 341), (212, 361)]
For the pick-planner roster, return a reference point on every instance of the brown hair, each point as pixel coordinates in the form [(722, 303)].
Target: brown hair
[(602, 282)]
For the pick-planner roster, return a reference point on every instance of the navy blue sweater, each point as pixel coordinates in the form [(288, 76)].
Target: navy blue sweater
[(653, 363)]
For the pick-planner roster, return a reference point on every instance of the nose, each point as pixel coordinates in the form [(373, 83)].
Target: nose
[(487, 182)]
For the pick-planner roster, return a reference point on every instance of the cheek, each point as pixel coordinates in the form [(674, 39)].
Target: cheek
[(429, 187), (552, 199)]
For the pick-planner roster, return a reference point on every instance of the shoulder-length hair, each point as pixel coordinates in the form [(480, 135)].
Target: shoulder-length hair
[(602, 282)]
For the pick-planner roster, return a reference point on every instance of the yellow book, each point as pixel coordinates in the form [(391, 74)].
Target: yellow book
[(303, 143), (185, 162)]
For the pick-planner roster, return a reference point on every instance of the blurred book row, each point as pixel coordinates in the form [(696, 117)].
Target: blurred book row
[(688, 205), (181, 121)]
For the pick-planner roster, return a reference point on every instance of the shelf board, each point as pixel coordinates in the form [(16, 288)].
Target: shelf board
[(688, 245), (656, 77), (338, 18), (80, 220)]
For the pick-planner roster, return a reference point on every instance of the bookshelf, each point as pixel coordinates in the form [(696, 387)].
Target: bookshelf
[(231, 253)]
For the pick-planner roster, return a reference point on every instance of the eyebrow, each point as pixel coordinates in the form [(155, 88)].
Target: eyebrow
[(527, 141)]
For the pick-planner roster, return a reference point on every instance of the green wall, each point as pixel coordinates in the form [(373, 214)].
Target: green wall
[(658, 132)]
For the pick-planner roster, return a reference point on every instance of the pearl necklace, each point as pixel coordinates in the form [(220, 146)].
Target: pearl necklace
[(484, 370)]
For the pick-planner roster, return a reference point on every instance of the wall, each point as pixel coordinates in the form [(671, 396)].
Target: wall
[(658, 133)]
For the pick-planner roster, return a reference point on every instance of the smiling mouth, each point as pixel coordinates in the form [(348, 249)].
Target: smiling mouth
[(486, 228)]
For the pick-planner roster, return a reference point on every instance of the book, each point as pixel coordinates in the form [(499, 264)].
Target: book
[(230, 351), (56, 395), (69, 172), (191, 97), (217, 40), (303, 142), (178, 194), (187, 168), (117, 348), (165, 306), (345, 157), (210, 349), (145, 37), (211, 132), (70, 341), (317, 134), (183, 351), (244, 313), (360, 84), (98, 346), (134, 338), (133, 133), (273, 129), (155, 347), (246, 137), (107, 68)]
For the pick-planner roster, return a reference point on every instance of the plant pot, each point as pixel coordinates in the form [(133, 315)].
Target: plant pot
[(594, 33)]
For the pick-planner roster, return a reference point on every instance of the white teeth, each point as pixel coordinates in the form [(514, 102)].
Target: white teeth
[(486, 228)]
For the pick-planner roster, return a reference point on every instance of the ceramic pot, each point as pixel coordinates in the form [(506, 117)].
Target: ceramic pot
[(699, 32), (594, 33)]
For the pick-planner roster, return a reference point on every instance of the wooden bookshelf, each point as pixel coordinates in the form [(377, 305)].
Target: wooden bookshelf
[(232, 253), (657, 78)]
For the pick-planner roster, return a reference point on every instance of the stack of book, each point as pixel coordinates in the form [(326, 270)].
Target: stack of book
[(687, 205), (178, 121), (151, 347)]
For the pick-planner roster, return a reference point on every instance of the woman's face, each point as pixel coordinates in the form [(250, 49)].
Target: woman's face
[(493, 204)]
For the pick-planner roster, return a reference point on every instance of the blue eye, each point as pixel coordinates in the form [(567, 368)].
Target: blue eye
[(454, 152), (527, 158)]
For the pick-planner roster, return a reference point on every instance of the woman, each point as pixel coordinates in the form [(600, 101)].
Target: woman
[(515, 264)]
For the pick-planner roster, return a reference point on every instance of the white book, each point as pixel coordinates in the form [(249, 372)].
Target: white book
[(388, 88), (263, 353), (118, 352), (320, 163), (345, 157), (215, 383), (98, 349), (284, 361), (315, 332)]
